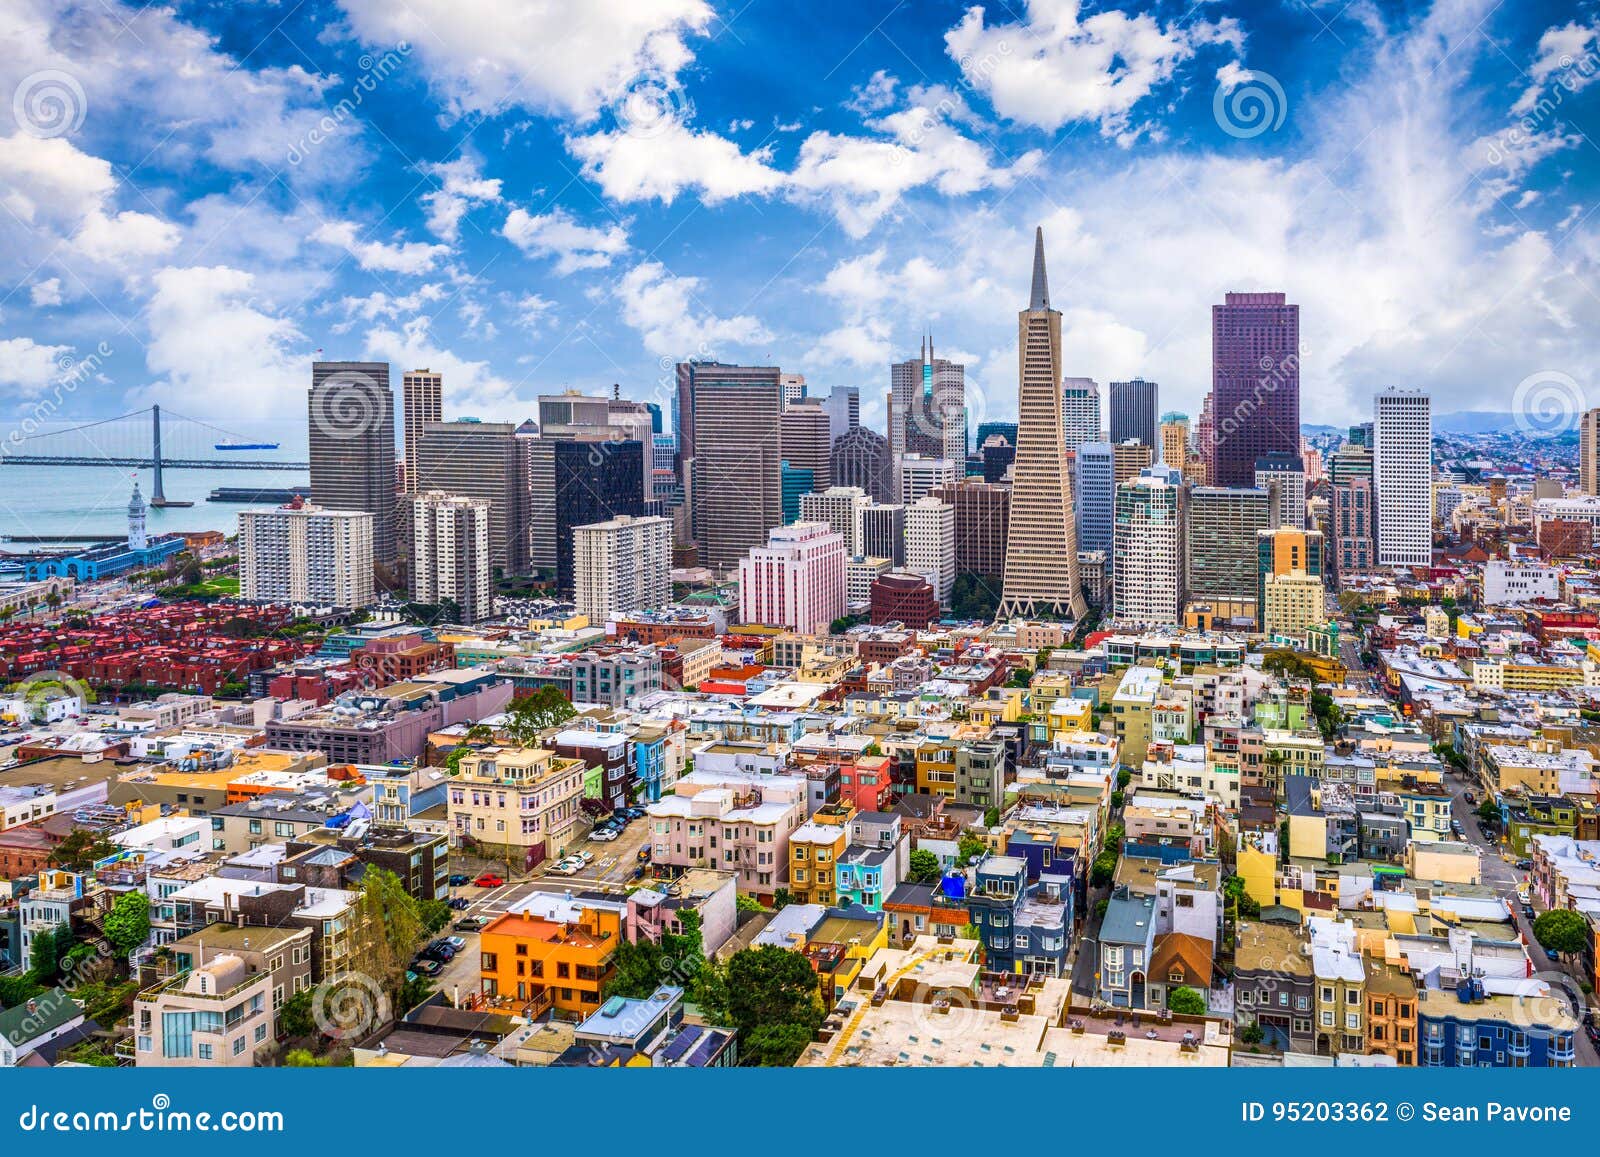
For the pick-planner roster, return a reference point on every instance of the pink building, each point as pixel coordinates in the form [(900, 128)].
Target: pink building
[(731, 823), (796, 580)]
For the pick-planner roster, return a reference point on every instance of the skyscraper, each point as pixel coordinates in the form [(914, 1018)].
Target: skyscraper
[(1174, 434), (982, 514), (422, 401), (1284, 477), (1222, 524), (1589, 452), (578, 482), (861, 458), (1095, 487), (881, 531), (931, 544), (1255, 384), (1080, 411), (301, 553), (1042, 540), (843, 405), (928, 400), (919, 475), (352, 452), (807, 444), (1149, 548), (837, 506), (1289, 567), (732, 444), (450, 557), (1402, 474), (794, 580), (1133, 412), (481, 460)]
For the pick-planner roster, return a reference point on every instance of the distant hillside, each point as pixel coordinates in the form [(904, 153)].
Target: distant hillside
[(1459, 422)]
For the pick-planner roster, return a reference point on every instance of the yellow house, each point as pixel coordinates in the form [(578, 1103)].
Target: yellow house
[(1068, 715), (839, 948), (1000, 705), (814, 851)]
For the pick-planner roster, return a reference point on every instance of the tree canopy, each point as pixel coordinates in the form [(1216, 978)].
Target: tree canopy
[(1186, 1000), (1562, 930), (127, 925), (530, 715)]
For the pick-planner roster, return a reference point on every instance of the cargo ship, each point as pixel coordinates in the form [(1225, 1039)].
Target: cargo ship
[(246, 446)]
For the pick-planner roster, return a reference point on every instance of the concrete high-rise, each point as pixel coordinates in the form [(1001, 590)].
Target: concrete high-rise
[(731, 439), (591, 418), (982, 516), (482, 460), (1289, 575), (1589, 452), (839, 507), (1095, 487), (1402, 475), (1080, 411), (1284, 477), (303, 553), (1222, 525), (1150, 537), (807, 441), (1174, 446), (795, 580), (352, 449), (931, 544), (620, 565), (861, 458), (881, 531), (450, 554), (421, 402), (1134, 405), (1255, 384), (1042, 542), (1132, 458), (919, 475), (843, 405), (928, 399)]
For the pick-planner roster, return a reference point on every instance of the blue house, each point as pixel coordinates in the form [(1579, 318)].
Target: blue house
[(1470, 1028), (1024, 928), (1127, 940), (648, 753)]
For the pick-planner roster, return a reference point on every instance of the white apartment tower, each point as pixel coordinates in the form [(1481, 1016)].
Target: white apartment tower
[(1080, 411), (622, 565), (1149, 548), (450, 553), (920, 475), (931, 544), (1402, 476), (796, 580), (301, 553), (839, 507)]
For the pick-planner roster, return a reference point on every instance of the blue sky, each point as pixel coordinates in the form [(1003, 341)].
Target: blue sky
[(535, 196)]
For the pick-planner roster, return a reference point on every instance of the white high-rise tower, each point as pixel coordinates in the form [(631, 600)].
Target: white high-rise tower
[(1402, 476)]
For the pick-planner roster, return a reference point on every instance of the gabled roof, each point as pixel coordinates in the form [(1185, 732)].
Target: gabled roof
[(1180, 952)]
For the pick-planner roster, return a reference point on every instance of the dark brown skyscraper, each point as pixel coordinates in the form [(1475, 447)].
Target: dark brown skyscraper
[(1255, 384), (351, 415)]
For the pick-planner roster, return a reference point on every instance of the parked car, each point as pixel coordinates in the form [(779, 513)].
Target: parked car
[(470, 923), (1527, 912), (426, 966), (604, 836), (458, 880), (634, 813), (489, 880), (1552, 954), (455, 942), (1469, 797), (1523, 865), (584, 856), (644, 854), (459, 903)]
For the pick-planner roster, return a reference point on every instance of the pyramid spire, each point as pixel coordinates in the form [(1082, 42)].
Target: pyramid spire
[(1040, 298)]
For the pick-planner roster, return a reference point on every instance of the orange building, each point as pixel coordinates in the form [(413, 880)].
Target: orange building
[(547, 962), (1391, 1013)]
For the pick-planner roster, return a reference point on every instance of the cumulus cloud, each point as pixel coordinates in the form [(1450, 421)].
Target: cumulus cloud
[(672, 322), (28, 367), (558, 234), (45, 293), (462, 187), (407, 257), (660, 164)]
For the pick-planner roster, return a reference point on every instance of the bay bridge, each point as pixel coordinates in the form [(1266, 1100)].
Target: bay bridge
[(120, 442)]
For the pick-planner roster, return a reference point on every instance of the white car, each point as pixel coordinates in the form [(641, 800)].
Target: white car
[(583, 857), (603, 837)]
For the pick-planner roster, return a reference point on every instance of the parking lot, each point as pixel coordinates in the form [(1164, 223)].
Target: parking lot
[(614, 866)]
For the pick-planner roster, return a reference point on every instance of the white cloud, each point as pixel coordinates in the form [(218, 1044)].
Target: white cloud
[(671, 157), (1058, 66), (557, 234), (408, 257), (222, 355), (1566, 60), (671, 320), (473, 385), (533, 311), (377, 305), (462, 186), (46, 293), (126, 237), (29, 367), (570, 59)]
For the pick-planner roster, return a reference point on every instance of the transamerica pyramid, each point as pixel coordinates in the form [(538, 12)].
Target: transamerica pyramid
[(1042, 540)]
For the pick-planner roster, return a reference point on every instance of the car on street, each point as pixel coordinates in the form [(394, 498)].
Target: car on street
[(1469, 797), (489, 880), (1523, 865), (584, 856), (1527, 912), (603, 835), (644, 854), (471, 923), (459, 903), (1552, 954), (426, 966), (455, 942), (458, 880)]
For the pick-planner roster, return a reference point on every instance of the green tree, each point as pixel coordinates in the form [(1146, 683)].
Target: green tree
[(531, 714), (924, 867), (15, 990), (1562, 930), (303, 1059), (1252, 1034), (1186, 1000), (745, 903), (434, 914), (991, 817), (127, 925), (1489, 812), (970, 845), (781, 899), (295, 1018), (1103, 870), (637, 969), (771, 986), (44, 962), (387, 931), (776, 1045), (80, 849)]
